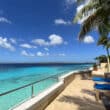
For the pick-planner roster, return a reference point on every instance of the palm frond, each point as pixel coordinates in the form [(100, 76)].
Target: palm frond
[(94, 21), (103, 30), (86, 11), (102, 40), (80, 1)]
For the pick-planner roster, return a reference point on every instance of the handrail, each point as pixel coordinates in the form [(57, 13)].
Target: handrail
[(31, 84)]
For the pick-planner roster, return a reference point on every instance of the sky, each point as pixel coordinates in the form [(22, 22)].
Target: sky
[(43, 31)]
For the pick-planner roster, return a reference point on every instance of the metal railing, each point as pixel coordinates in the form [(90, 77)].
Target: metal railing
[(31, 84)]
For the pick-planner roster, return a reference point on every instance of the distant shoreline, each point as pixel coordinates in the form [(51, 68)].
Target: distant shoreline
[(48, 63)]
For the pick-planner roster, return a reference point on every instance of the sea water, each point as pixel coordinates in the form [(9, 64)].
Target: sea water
[(13, 76)]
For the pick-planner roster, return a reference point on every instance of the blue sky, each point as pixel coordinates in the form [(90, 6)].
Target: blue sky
[(42, 31)]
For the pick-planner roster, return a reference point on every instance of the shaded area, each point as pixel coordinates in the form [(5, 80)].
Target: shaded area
[(106, 101), (85, 91), (82, 102), (84, 76), (79, 95)]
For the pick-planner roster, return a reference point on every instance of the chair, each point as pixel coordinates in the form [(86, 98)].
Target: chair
[(100, 80), (104, 88)]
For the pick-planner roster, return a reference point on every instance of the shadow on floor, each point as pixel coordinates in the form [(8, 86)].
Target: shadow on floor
[(85, 75), (82, 103), (85, 91)]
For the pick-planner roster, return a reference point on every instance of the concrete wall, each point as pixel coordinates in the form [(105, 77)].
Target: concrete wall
[(104, 67), (44, 99)]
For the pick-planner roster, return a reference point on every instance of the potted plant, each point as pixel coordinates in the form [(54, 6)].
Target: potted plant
[(95, 67)]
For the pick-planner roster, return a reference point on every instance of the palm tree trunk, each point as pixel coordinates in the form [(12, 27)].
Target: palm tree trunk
[(108, 59)]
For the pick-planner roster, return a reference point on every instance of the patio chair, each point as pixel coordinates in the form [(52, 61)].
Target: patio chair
[(101, 88), (100, 80)]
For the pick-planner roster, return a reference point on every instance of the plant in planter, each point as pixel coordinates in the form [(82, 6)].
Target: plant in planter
[(95, 67)]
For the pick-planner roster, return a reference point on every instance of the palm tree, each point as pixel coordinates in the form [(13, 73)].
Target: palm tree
[(105, 41), (101, 59), (96, 14)]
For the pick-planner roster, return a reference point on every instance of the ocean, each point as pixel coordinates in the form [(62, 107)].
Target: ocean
[(13, 76)]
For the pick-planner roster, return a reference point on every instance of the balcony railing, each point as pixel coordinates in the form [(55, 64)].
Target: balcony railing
[(11, 98)]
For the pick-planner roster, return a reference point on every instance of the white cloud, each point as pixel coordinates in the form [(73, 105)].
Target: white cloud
[(53, 40), (24, 53), (46, 49), (6, 44), (40, 54), (89, 39), (13, 40), (4, 20), (62, 22), (27, 46), (40, 42)]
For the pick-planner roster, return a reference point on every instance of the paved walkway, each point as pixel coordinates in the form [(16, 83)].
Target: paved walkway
[(78, 95)]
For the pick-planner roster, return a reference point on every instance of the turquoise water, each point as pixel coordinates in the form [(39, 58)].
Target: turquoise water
[(15, 76)]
